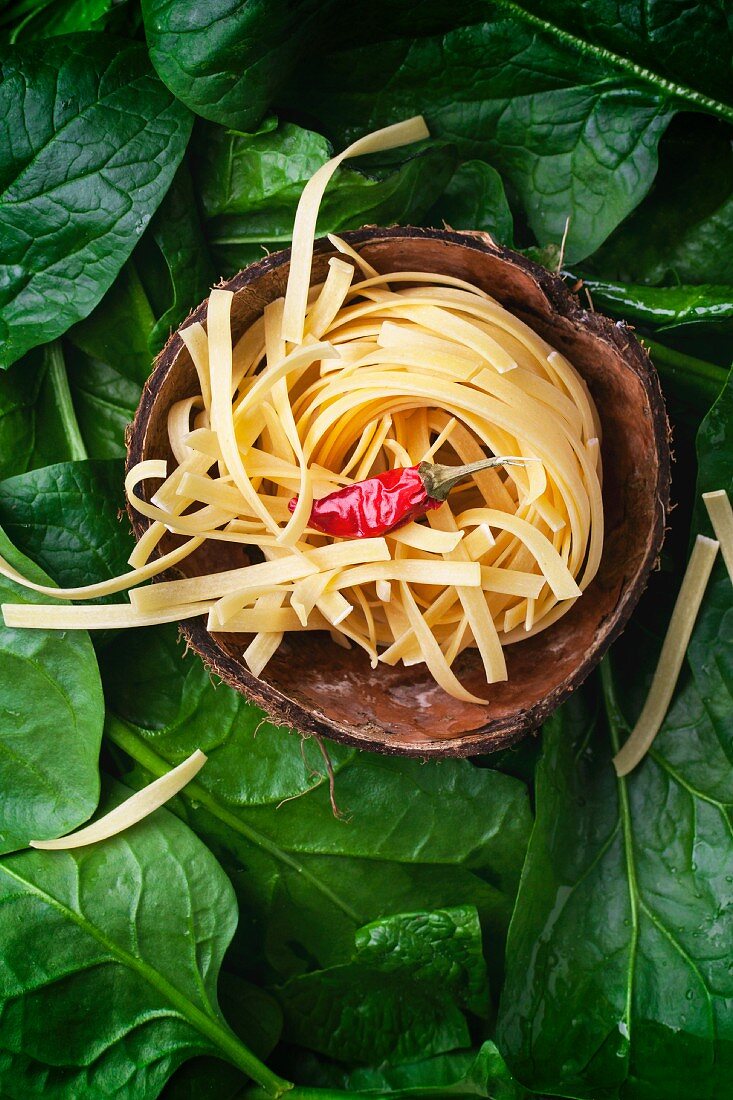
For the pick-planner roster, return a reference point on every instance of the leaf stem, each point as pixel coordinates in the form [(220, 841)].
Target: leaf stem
[(123, 735), (700, 379), (687, 364), (53, 358), (304, 1092), (617, 725), (214, 1029), (616, 721), (677, 91)]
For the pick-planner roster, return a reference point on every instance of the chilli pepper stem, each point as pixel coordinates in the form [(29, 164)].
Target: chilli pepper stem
[(439, 480)]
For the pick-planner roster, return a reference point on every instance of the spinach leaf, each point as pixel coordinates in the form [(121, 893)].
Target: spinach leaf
[(475, 199), (204, 1079), (415, 837), (688, 44), (618, 980), (19, 391), (255, 1017), (108, 360), (250, 185), (89, 144), (572, 139), (38, 423), (117, 332), (227, 60), (110, 962), (461, 1073), (152, 683), (109, 353), (51, 716), (61, 404), (24, 19), (105, 400), (173, 259), (683, 232), (56, 433), (67, 519), (464, 1073), (402, 995)]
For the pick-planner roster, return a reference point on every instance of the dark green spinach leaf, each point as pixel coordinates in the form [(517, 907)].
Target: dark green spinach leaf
[(475, 199), (32, 19), (67, 519), (153, 684), (573, 139), (684, 44), (402, 996), (108, 360), (255, 1017), (173, 259), (18, 401), (89, 143), (38, 425), (227, 59), (619, 981), (110, 962), (464, 1073), (51, 717), (250, 185), (683, 232), (437, 838)]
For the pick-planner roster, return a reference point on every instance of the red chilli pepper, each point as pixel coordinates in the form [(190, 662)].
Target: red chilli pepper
[(385, 501)]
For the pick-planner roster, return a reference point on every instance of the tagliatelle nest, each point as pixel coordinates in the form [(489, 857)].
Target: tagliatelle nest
[(311, 682)]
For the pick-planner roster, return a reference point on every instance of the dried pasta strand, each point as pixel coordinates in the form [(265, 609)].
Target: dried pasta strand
[(721, 516), (304, 230), (670, 661), (138, 806)]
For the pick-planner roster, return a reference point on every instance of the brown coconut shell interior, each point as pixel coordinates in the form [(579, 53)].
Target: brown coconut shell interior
[(317, 687)]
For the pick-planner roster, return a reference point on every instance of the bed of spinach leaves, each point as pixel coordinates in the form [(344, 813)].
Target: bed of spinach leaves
[(515, 925)]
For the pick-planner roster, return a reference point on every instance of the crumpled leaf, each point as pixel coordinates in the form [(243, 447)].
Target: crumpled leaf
[(110, 961), (250, 185), (51, 718), (89, 143), (401, 996), (619, 981)]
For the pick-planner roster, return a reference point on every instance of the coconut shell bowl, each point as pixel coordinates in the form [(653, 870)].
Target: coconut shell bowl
[(315, 686)]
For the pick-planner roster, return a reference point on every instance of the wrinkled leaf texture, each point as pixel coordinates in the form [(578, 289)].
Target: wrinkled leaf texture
[(110, 962), (250, 186), (402, 995), (619, 978), (89, 143), (51, 718), (66, 517), (573, 124), (431, 838)]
